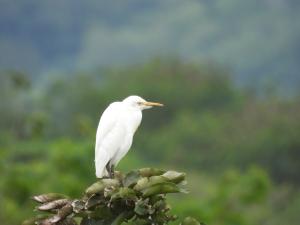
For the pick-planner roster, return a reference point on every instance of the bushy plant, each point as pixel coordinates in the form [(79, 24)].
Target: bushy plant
[(138, 197)]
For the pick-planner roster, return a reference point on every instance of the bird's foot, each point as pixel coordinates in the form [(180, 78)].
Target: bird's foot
[(112, 171), (108, 168)]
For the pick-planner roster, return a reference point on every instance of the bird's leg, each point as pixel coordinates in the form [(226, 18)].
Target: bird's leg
[(108, 168), (112, 171)]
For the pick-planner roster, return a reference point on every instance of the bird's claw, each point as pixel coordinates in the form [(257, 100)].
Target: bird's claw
[(112, 171)]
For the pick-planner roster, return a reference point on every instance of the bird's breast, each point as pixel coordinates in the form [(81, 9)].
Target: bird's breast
[(133, 120)]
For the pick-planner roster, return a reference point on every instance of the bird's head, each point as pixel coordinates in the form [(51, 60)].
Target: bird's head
[(140, 103)]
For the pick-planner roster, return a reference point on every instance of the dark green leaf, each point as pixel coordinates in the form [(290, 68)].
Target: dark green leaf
[(131, 178), (99, 186), (89, 221), (141, 207), (148, 172), (125, 194), (161, 189)]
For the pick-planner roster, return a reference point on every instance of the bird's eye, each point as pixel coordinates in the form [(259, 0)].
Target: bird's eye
[(139, 103)]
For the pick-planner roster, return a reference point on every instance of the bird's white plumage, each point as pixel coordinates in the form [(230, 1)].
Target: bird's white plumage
[(116, 128)]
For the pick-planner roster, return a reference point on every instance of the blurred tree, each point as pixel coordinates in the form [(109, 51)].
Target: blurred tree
[(208, 124)]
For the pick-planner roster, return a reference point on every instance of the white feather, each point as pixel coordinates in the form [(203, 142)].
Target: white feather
[(116, 128)]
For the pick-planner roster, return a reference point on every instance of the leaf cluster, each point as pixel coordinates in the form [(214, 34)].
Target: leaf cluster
[(138, 197)]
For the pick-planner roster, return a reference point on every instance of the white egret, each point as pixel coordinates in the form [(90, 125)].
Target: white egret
[(116, 128)]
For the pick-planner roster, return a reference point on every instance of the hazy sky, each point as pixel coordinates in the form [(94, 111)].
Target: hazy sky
[(257, 38)]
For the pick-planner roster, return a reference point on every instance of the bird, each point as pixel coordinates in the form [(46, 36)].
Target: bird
[(117, 126)]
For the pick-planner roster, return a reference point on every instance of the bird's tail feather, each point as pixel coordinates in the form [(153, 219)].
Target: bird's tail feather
[(101, 161)]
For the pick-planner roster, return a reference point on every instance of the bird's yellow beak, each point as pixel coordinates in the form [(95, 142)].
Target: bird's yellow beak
[(152, 104)]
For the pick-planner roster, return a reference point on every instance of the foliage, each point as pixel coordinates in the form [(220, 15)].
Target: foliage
[(235, 199), (210, 128), (137, 197)]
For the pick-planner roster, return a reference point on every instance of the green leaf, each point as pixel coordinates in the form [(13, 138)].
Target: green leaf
[(93, 201), (141, 207), (148, 182), (101, 212), (160, 205), (125, 194), (99, 186), (162, 188), (148, 172), (131, 178), (141, 184), (174, 176)]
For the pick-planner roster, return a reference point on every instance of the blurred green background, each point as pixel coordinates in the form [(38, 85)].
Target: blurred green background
[(227, 72)]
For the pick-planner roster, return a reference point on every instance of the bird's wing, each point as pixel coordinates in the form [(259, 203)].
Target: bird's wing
[(107, 121), (107, 137)]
